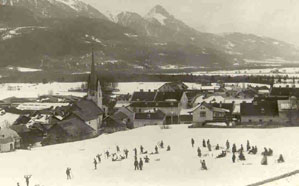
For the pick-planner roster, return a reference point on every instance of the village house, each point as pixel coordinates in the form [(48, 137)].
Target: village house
[(205, 112), (260, 113), (69, 130), (170, 103), (285, 91), (214, 98), (150, 118), (9, 140), (126, 115), (173, 87), (111, 124), (288, 110)]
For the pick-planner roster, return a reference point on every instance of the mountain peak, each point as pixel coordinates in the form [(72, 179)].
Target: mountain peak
[(158, 13)]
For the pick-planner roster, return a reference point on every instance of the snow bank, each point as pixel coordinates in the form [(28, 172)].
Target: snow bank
[(180, 166)]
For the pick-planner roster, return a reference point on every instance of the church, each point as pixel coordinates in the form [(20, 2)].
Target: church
[(83, 118)]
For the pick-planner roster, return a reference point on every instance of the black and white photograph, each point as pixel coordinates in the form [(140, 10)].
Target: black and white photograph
[(149, 92)]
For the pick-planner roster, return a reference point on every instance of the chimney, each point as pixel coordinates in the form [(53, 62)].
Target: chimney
[(149, 90), (141, 90), (220, 104)]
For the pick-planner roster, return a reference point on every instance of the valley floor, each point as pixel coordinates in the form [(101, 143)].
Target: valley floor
[(180, 166)]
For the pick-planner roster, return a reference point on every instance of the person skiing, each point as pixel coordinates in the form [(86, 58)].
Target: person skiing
[(203, 143), (209, 146), (248, 145), (203, 165), (280, 159), (265, 151), (141, 149), (234, 158), (136, 164), (117, 148), (68, 174), (208, 142), (192, 142), (146, 159), (241, 156), (156, 149), (168, 148), (126, 153), (95, 164), (198, 152), (217, 147), (162, 144), (270, 152), (135, 151), (264, 160), (241, 149), (18, 184), (234, 148), (107, 154), (223, 154), (27, 179), (140, 164), (99, 158), (227, 145)]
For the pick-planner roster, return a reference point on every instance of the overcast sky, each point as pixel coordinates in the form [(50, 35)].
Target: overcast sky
[(274, 18)]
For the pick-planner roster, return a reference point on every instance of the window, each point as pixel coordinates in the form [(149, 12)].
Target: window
[(249, 121), (202, 114), (261, 120), (270, 120)]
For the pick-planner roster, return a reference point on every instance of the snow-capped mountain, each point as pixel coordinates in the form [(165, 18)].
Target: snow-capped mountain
[(59, 33), (160, 24), (56, 8)]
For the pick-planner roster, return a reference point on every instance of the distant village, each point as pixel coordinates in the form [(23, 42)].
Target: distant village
[(50, 119)]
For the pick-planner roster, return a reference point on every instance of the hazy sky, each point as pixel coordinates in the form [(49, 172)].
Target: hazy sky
[(274, 18)]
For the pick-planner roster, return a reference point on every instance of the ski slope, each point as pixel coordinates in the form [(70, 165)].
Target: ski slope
[(180, 166)]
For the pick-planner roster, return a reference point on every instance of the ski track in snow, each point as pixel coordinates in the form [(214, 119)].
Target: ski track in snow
[(180, 166)]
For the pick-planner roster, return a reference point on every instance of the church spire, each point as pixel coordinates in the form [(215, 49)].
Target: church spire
[(92, 84)]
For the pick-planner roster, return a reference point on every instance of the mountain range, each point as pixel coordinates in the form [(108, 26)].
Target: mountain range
[(59, 34)]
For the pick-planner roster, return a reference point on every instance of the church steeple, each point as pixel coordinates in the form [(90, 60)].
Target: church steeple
[(94, 86)]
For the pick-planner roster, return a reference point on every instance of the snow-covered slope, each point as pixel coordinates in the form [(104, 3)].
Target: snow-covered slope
[(179, 167), (56, 8)]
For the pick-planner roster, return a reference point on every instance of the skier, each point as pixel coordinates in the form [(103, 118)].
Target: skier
[(68, 174), (135, 151), (156, 149), (27, 178), (209, 146), (204, 143), (270, 152), (241, 156), (280, 159), (234, 148), (192, 142), (203, 165), (217, 147), (223, 154), (99, 158), (126, 153), (107, 154), (117, 148), (208, 142), (168, 148), (140, 164), (241, 149), (234, 158), (198, 152), (162, 144), (95, 164), (227, 145), (18, 184), (136, 164), (146, 159), (264, 160), (141, 149), (248, 145)]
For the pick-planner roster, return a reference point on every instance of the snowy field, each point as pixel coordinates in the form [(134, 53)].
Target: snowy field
[(130, 87), (291, 72), (34, 90), (180, 166)]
